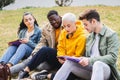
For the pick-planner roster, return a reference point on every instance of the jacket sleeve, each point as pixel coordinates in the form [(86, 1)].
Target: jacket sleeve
[(111, 54), (61, 45), (42, 42), (80, 48)]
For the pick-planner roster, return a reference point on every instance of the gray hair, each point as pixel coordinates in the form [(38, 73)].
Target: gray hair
[(69, 17)]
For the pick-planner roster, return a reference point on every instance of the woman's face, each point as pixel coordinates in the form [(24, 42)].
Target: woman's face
[(69, 26), (29, 20)]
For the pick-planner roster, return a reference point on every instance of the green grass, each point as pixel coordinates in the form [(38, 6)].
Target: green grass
[(9, 20)]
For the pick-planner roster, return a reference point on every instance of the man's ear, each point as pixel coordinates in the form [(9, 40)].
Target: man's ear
[(93, 21)]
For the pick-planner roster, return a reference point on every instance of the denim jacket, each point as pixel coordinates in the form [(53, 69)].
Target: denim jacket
[(34, 39)]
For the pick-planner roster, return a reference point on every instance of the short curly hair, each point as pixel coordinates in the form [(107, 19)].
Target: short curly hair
[(51, 12)]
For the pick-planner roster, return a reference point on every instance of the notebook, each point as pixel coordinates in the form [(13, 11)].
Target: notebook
[(70, 58), (14, 43)]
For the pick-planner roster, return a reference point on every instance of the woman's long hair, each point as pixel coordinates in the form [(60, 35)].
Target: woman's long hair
[(22, 24)]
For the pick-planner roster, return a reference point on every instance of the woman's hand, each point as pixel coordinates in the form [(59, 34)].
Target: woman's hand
[(24, 40), (61, 60)]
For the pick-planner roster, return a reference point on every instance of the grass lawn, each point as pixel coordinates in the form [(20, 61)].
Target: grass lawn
[(9, 20)]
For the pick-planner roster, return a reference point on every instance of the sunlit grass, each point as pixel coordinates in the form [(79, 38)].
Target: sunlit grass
[(9, 20)]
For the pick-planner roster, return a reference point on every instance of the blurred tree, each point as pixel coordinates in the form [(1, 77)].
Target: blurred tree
[(4, 3), (63, 2)]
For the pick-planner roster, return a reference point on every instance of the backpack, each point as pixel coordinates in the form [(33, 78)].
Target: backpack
[(4, 72)]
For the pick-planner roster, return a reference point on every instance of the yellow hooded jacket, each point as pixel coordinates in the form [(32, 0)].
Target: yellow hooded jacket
[(75, 45)]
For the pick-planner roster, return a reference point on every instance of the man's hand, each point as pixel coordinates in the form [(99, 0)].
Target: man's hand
[(84, 61)]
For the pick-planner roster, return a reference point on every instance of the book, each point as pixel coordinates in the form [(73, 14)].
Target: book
[(14, 43), (70, 58)]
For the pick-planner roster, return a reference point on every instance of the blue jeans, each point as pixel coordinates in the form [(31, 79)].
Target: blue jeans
[(14, 54)]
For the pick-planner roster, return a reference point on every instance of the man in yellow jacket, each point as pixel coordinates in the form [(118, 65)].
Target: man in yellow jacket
[(71, 42)]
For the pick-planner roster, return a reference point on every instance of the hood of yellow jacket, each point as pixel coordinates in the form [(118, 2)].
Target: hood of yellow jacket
[(79, 31)]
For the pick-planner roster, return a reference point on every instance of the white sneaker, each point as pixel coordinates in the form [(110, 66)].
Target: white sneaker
[(39, 75)]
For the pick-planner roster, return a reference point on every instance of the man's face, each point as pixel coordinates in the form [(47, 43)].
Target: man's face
[(89, 25), (69, 26), (55, 21)]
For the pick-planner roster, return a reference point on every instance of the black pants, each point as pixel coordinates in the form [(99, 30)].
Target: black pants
[(45, 54), (49, 55)]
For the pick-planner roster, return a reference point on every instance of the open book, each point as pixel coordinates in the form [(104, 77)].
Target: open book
[(70, 58)]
